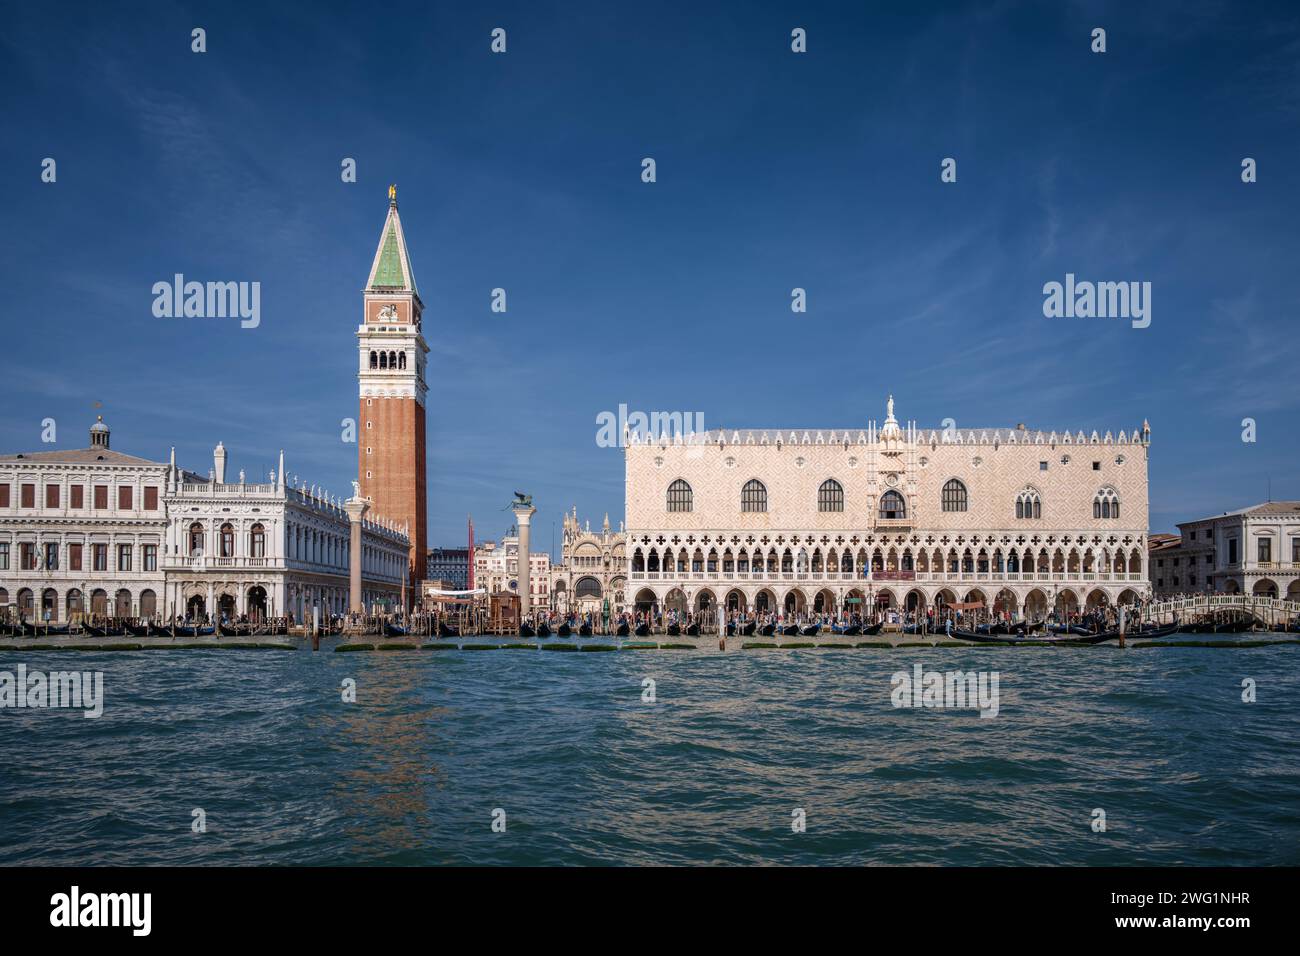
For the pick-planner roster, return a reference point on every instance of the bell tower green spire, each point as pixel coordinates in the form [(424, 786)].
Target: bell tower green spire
[(391, 270)]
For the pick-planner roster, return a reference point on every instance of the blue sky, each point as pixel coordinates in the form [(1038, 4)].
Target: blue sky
[(775, 170)]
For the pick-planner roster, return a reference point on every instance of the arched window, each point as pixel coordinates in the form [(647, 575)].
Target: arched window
[(954, 496), (892, 505), (753, 497), (383, 360), (392, 360), (196, 538), (401, 360), (830, 496), (374, 359), (257, 541), (1106, 504), (227, 541), (1028, 505), (679, 496)]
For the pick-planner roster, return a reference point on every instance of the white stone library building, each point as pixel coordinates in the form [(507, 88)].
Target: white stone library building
[(95, 530)]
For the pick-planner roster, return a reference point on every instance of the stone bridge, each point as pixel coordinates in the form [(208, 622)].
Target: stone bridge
[(1275, 612)]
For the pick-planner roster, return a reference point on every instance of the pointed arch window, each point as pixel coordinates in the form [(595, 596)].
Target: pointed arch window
[(1028, 505), (830, 496), (1105, 504), (196, 538), (680, 497), (954, 497), (753, 497), (892, 505)]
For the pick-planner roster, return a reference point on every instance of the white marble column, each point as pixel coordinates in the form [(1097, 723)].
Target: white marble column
[(523, 516)]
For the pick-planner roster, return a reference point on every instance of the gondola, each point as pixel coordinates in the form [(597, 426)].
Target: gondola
[(789, 630), (395, 630), (42, 630), (235, 630), (767, 630), (1078, 629), (731, 629), (623, 629), (526, 630), (448, 630), (1147, 631), (810, 629), (693, 630), (853, 630), (106, 631), (674, 630), (584, 630), (873, 629), (543, 629), (565, 630), (914, 629), (748, 628), (642, 629), (985, 638), (181, 630)]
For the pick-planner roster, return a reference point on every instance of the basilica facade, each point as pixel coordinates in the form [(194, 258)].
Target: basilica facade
[(592, 574), (890, 516)]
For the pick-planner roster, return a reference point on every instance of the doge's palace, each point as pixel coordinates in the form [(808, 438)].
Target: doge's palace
[(822, 521)]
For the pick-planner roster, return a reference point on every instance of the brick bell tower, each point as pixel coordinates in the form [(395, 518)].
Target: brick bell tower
[(390, 437)]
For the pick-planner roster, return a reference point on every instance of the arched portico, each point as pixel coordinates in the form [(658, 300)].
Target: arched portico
[(1264, 588)]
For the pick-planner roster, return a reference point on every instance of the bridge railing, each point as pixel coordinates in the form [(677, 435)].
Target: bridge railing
[(1273, 607)]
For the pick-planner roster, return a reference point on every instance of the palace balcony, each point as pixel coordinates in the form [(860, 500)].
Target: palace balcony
[(891, 578), (208, 562)]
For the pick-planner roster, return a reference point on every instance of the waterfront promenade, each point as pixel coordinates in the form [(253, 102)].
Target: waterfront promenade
[(596, 643)]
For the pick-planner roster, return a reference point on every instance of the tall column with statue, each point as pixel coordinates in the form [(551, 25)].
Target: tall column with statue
[(356, 507), (523, 508)]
